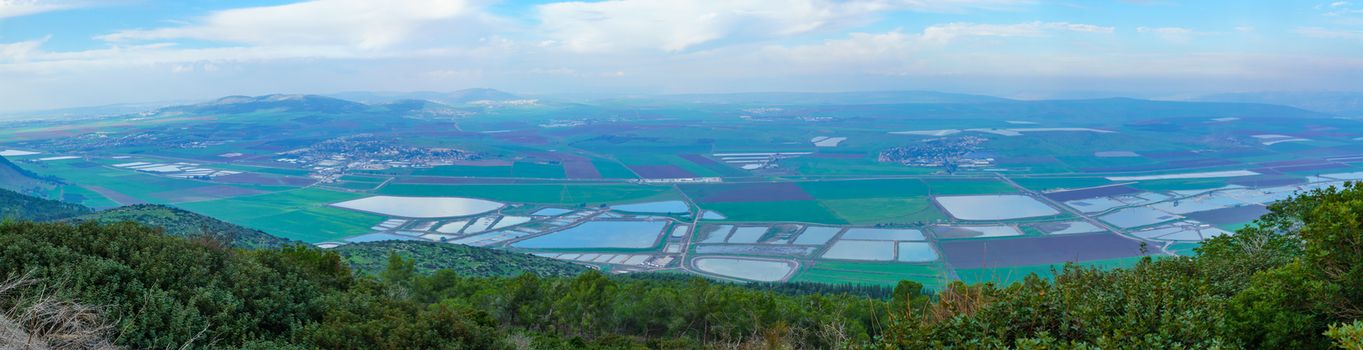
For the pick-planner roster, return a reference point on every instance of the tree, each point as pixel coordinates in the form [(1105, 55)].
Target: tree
[(398, 275)]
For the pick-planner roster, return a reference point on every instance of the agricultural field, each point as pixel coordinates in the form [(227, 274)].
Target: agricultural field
[(739, 191)]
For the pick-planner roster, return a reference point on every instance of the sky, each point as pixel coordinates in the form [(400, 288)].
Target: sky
[(66, 53)]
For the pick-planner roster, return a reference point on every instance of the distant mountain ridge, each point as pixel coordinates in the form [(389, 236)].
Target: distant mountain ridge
[(296, 103), (430, 103), (457, 97), (806, 98), (908, 103), (1341, 103)]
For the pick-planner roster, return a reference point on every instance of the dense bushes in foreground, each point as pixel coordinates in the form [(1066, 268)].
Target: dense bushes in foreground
[(164, 292), (1293, 281)]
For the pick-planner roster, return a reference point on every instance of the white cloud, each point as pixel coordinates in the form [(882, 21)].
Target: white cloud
[(957, 5), (931, 51), (1325, 33), (1340, 8), (29, 58), (16, 8), (1178, 35), (19, 51), (952, 31), (679, 25), (942, 51), (675, 25), (361, 24), (864, 50), (1165, 30)]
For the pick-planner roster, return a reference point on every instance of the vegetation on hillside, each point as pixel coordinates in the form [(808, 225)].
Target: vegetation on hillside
[(1291, 281), (171, 291), (372, 257), (181, 223), (17, 206), (18, 179)]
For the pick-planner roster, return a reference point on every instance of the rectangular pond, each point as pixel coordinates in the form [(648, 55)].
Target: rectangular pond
[(748, 269), (1068, 227), (748, 234), (377, 237), (421, 207), (994, 207), (663, 207), (1137, 217), (861, 250), (881, 234), (600, 234), (817, 235), (986, 231), (916, 252)]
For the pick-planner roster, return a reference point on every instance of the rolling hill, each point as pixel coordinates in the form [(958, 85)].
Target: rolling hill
[(17, 206), (277, 102), (17, 179), (180, 223), (372, 257), (1342, 103), (457, 97), (365, 257), (832, 98)]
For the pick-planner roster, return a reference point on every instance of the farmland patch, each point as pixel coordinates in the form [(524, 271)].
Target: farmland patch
[(421, 207), (600, 234), (994, 207), (970, 254)]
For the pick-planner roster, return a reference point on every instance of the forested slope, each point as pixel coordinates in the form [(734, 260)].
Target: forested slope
[(181, 223), (428, 257), (17, 206), (1291, 282)]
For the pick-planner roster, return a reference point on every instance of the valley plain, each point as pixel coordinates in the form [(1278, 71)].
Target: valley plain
[(770, 187)]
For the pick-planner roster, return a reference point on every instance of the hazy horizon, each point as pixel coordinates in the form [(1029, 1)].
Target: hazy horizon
[(62, 54)]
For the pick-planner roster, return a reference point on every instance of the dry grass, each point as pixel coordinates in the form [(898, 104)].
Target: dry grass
[(32, 317), (957, 300)]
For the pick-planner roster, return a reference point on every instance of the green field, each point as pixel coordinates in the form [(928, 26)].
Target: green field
[(300, 214), (517, 169), (549, 194), (1183, 249), (1058, 183), (145, 187), (668, 159), (850, 189), (612, 170), (954, 187), (887, 274), (864, 202), (1180, 184), (781, 211), (867, 211), (88, 198), (1010, 274), (851, 167), (261, 169)]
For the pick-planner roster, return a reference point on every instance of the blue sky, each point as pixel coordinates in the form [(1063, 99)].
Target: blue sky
[(61, 53)]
